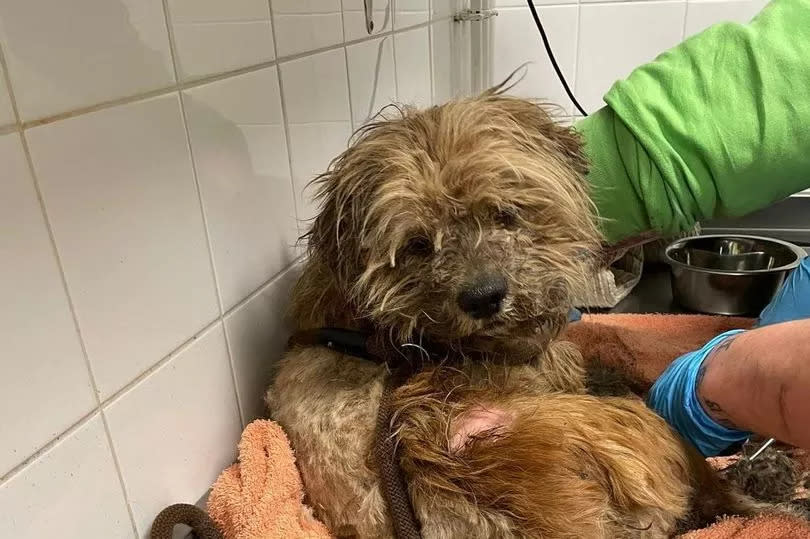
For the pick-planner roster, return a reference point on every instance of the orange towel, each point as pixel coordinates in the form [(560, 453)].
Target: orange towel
[(261, 497)]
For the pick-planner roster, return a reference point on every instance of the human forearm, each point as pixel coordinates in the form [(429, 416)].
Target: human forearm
[(760, 381)]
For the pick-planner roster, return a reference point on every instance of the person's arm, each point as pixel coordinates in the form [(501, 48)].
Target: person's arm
[(759, 381), (716, 126)]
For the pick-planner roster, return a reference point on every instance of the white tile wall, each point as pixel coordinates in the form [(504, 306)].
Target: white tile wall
[(212, 36), (119, 190), (6, 112), (700, 14), (354, 18), (517, 40), (72, 490), (175, 431), (66, 55), (148, 228), (597, 42), (371, 77)]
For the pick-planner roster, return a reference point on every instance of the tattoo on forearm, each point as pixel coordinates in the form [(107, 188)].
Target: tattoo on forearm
[(714, 409)]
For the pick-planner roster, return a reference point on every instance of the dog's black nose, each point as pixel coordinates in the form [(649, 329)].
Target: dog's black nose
[(482, 297)]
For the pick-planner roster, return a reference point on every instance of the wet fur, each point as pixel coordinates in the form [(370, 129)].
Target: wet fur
[(419, 203)]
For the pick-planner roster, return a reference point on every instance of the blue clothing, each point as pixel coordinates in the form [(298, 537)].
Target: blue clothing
[(792, 302), (674, 394), (674, 397)]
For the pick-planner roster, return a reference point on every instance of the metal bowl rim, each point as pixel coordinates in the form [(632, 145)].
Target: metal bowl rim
[(795, 249)]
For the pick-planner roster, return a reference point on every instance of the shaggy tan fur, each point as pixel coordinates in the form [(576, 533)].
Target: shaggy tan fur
[(507, 444)]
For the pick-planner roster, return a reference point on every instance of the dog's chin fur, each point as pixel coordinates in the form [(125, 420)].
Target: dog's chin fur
[(507, 445)]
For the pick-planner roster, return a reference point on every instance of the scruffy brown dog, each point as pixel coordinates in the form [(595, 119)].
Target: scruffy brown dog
[(469, 225)]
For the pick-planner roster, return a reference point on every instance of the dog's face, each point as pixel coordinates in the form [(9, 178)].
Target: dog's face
[(469, 218)]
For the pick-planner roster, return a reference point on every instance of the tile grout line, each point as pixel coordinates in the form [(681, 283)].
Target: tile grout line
[(394, 48), (346, 60), (575, 81), (203, 213), (430, 52), (285, 122), (207, 79), (73, 314), (182, 347), (685, 19)]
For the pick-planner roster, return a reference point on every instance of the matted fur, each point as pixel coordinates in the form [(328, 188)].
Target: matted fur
[(421, 203)]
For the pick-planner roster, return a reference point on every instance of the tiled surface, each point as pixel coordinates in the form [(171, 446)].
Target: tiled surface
[(318, 116), (72, 490), (354, 18), (517, 42), (411, 12), (371, 77), (257, 333), (443, 60), (119, 190), (176, 430), (213, 36), (240, 151), (6, 112), (702, 14), (42, 354), (306, 25), (615, 38), (121, 50), (412, 57)]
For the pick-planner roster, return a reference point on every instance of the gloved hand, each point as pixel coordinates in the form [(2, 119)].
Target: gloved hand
[(792, 302), (674, 397)]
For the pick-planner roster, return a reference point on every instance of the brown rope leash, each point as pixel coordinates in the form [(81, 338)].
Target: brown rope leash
[(183, 513), (373, 348)]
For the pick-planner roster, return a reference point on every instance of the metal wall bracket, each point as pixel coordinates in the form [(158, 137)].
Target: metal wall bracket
[(475, 15)]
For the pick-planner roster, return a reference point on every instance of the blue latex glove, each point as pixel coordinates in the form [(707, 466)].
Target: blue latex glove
[(674, 397), (792, 302)]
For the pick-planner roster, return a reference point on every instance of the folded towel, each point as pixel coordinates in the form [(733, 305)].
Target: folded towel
[(261, 497)]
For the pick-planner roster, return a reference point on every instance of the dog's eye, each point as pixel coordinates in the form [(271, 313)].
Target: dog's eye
[(506, 217), (419, 246)]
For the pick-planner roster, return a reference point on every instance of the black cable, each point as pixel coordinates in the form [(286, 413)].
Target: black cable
[(554, 60)]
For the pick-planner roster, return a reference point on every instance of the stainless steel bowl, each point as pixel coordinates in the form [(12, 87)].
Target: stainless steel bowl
[(732, 275)]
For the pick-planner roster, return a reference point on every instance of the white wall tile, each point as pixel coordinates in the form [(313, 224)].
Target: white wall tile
[(441, 9), (176, 430), (6, 112), (412, 60), (522, 3), (371, 77), (411, 12), (258, 333), (517, 41), (316, 89), (121, 198), (240, 152), (213, 36), (354, 18), (317, 104), (65, 55), (72, 490), (616, 38), (306, 25), (312, 147), (444, 61), (43, 377), (702, 14)]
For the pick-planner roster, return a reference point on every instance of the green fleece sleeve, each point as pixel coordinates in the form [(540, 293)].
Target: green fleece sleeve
[(717, 126)]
